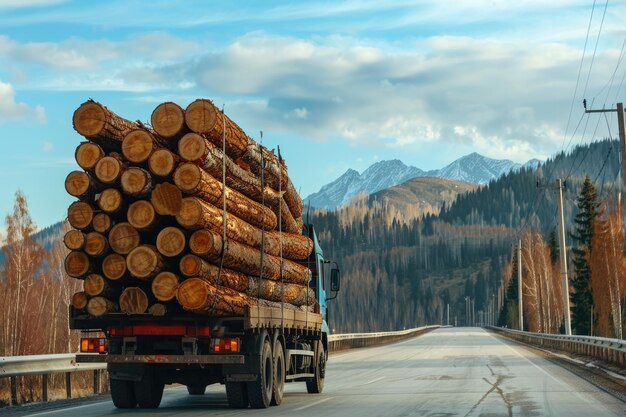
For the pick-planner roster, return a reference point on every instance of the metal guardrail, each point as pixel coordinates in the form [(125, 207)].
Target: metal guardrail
[(603, 348), (45, 365)]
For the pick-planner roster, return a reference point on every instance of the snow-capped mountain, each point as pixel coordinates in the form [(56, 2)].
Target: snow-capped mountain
[(381, 175), (473, 168)]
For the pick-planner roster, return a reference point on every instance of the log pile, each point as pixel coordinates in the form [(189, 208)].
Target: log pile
[(186, 215)]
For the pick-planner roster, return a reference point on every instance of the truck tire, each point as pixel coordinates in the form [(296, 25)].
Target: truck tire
[(237, 394), (279, 374), (149, 391), (196, 389), (260, 391), (122, 393), (315, 385)]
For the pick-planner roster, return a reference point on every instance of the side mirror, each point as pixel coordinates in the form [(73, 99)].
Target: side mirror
[(334, 280)]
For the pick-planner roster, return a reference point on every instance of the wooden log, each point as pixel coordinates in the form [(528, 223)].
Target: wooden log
[(77, 264), (74, 240), (123, 238), (111, 201), (168, 120), (197, 214), (198, 295), (80, 214), (294, 294), (102, 223), (109, 169), (171, 241), (99, 306), (245, 259), (158, 310), (275, 174), (80, 185), (114, 267), (164, 286), (193, 180), (138, 145), (203, 117), (80, 300), (295, 246), (144, 262), (96, 285), (166, 199), (133, 300), (162, 163), (87, 155), (96, 244), (194, 148), (294, 201), (141, 215), (194, 266), (101, 125), (136, 182), (288, 222)]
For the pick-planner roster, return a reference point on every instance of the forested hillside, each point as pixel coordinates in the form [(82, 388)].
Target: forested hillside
[(399, 273)]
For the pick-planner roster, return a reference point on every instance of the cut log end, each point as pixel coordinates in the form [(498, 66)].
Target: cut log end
[(192, 147), (114, 266), (94, 284), (74, 240), (201, 115), (190, 265), (138, 145), (187, 177), (77, 183), (141, 214), (166, 199), (77, 264), (192, 293), (96, 244), (89, 119), (80, 214), (136, 181), (204, 242), (133, 301), (99, 306), (144, 262), (110, 200), (123, 238), (168, 119), (108, 169), (164, 286), (87, 155), (101, 223), (80, 300), (190, 213), (171, 241), (162, 163), (158, 310)]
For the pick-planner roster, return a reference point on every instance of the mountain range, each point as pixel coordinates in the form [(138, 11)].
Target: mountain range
[(472, 168)]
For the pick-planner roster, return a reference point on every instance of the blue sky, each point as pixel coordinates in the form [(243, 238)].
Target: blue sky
[(337, 84)]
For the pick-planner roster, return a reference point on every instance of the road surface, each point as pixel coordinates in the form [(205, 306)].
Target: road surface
[(448, 372)]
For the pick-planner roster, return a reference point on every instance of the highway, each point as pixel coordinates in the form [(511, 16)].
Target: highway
[(448, 372)]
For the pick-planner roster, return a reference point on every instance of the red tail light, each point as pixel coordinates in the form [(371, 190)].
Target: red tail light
[(222, 345), (93, 345)]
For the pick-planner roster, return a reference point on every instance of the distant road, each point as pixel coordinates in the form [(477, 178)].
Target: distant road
[(448, 372)]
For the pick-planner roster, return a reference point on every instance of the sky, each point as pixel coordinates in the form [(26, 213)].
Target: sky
[(336, 84)]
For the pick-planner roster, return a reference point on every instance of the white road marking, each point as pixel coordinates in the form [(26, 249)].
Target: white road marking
[(313, 404), (374, 380), (71, 408)]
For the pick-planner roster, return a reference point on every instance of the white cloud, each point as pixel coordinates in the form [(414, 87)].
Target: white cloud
[(12, 110), (16, 4), (47, 147)]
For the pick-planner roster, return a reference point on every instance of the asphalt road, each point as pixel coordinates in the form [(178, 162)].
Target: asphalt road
[(448, 372)]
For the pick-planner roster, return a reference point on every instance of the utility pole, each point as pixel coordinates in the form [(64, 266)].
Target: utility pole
[(563, 257), (448, 314), (622, 134), (519, 285)]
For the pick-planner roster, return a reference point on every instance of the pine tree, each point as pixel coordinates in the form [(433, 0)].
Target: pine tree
[(587, 203), (554, 246)]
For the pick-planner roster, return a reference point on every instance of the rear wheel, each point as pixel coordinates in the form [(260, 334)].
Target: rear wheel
[(122, 393), (149, 391), (260, 391), (237, 394), (196, 389), (279, 374), (315, 385)]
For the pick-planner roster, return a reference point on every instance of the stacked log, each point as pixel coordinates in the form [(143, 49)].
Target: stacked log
[(188, 215)]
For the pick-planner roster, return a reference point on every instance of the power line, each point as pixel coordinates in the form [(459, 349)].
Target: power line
[(596, 47)]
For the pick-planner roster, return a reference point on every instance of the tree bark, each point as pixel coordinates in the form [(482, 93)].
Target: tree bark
[(199, 296), (96, 245), (123, 238), (162, 163), (171, 241), (114, 267), (77, 264), (164, 286), (136, 182), (80, 215), (203, 117), (194, 266), (99, 306), (101, 125), (133, 300), (144, 262), (193, 180), (87, 155), (168, 120), (74, 240)]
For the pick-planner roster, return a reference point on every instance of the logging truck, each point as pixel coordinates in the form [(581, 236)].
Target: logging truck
[(253, 354)]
